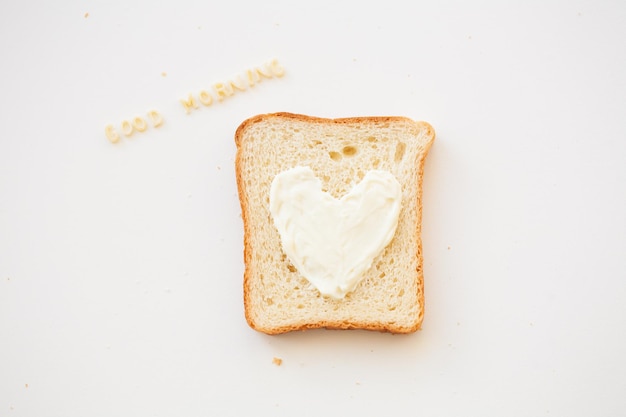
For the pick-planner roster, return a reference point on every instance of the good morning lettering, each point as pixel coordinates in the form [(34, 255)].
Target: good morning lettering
[(218, 92)]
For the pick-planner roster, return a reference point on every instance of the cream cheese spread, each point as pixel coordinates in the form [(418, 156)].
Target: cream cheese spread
[(333, 242)]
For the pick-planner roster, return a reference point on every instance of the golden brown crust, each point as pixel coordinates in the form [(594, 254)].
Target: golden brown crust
[(312, 119), (246, 225), (381, 327)]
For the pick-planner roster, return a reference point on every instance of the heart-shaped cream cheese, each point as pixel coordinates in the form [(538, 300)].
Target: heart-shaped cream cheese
[(333, 242)]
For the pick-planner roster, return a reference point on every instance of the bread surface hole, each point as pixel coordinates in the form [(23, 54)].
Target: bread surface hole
[(371, 139), (400, 148), (349, 150), (291, 268), (335, 156)]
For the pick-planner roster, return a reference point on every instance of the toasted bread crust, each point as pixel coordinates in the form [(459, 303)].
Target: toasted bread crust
[(247, 252)]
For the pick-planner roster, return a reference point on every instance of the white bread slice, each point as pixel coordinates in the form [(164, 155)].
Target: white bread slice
[(277, 298)]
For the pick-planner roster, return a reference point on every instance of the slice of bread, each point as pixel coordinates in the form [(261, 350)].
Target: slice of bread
[(277, 298)]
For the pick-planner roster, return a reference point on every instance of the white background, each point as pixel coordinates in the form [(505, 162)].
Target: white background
[(121, 264)]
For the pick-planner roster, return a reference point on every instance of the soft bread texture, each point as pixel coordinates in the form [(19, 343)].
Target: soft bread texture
[(277, 299)]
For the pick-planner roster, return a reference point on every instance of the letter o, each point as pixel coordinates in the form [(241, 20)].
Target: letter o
[(127, 128), (205, 98), (139, 124)]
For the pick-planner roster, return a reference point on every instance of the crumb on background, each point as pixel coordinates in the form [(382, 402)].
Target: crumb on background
[(277, 361), (86, 15), (164, 74)]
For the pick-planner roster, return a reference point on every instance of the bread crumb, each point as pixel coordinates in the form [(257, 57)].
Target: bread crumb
[(277, 361), (86, 15), (449, 247), (25, 385), (164, 74)]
